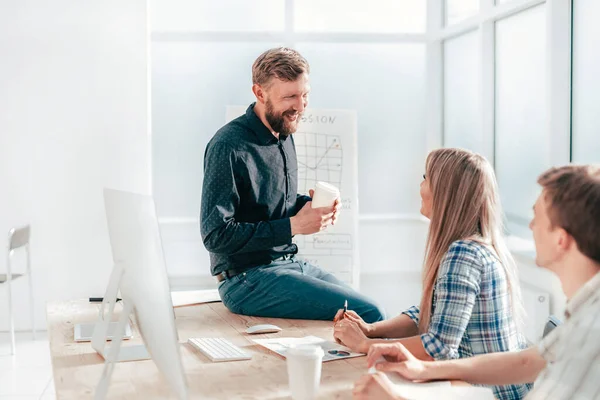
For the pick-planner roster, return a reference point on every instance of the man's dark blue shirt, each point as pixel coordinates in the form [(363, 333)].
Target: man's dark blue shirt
[(249, 194)]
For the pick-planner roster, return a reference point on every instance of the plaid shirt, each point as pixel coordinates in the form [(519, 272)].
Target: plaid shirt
[(471, 310), (572, 351)]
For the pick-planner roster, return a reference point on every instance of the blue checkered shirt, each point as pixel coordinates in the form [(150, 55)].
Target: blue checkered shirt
[(471, 310)]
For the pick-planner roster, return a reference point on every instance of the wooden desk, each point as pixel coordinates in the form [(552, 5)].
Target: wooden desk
[(77, 367)]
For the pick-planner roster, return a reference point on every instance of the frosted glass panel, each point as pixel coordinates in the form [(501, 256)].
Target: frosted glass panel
[(521, 140), (221, 15), (385, 84), (192, 83), (586, 81), (458, 10), (380, 16), (462, 111)]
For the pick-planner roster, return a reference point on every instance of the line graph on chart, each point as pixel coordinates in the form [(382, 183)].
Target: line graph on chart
[(320, 158)]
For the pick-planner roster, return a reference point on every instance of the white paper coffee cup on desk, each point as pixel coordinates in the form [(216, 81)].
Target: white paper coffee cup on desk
[(325, 195), (304, 371)]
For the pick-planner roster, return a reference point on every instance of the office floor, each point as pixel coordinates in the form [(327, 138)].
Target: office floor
[(28, 374)]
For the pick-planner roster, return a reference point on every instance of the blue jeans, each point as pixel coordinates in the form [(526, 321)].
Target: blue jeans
[(295, 289)]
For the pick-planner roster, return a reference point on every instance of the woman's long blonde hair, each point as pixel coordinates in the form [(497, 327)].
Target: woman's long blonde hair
[(465, 205)]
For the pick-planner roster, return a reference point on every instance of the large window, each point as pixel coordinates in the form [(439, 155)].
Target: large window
[(586, 81), (188, 100), (385, 83), (188, 16), (374, 16), (462, 85), (364, 56), (458, 10), (520, 87), (504, 90)]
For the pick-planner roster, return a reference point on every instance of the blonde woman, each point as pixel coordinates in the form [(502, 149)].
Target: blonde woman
[(471, 302)]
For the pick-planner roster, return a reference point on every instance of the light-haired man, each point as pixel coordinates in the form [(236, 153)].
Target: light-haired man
[(566, 364), (251, 210)]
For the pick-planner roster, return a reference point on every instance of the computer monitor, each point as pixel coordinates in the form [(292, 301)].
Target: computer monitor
[(137, 249)]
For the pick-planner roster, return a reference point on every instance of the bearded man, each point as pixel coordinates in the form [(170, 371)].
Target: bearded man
[(251, 209)]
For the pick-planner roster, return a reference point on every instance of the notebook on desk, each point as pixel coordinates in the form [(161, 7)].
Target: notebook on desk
[(332, 350), (424, 391)]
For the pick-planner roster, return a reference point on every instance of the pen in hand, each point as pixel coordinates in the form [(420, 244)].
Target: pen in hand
[(345, 308)]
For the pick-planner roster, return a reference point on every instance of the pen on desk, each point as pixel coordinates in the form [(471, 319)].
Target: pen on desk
[(99, 299)]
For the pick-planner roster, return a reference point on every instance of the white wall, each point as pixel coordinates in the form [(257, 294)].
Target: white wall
[(73, 119)]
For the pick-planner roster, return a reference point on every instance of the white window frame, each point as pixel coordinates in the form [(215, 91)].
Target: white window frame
[(558, 103), (290, 38)]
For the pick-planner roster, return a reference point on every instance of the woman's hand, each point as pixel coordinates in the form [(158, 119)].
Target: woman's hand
[(350, 315), (374, 386), (349, 334), (399, 360)]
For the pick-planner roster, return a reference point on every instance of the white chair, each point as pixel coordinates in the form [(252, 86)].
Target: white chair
[(17, 239)]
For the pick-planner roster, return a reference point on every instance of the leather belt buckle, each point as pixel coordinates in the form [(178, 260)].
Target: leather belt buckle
[(221, 277)]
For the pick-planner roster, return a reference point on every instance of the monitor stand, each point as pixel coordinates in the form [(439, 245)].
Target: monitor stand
[(101, 328), (115, 353)]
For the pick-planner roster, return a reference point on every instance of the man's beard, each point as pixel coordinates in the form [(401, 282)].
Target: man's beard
[(278, 122)]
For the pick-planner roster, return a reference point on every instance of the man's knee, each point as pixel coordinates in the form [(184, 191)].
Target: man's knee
[(372, 312)]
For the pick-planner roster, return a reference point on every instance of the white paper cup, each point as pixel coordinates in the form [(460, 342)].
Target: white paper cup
[(325, 195), (304, 371)]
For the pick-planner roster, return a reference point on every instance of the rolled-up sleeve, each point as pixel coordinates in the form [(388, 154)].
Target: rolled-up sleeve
[(413, 313), (456, 289)]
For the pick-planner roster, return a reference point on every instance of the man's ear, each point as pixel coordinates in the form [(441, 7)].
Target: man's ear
[(259, 92), (565, 240)]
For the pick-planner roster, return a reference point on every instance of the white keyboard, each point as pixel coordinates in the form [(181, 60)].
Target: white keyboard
[(218, 349)]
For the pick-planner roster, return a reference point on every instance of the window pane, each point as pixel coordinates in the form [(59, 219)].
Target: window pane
[(191, 86), (458, 10), (462, 111), (385, 84), (521, 142), (586, 81), (379, 16), (222, 15)]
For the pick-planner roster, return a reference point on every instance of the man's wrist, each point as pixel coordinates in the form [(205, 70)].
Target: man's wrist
[(293, 226)]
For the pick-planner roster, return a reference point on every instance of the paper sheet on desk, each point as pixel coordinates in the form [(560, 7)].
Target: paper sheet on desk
[(422, 392), (332, 350), (443, 390), (418, 391), (192, 297), (414, 391)]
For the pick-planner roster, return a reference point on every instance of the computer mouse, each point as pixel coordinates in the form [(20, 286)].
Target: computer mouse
[(263, 328)]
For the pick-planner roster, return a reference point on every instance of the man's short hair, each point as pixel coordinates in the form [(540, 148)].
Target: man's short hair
[(573, 196), (282, 63)]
